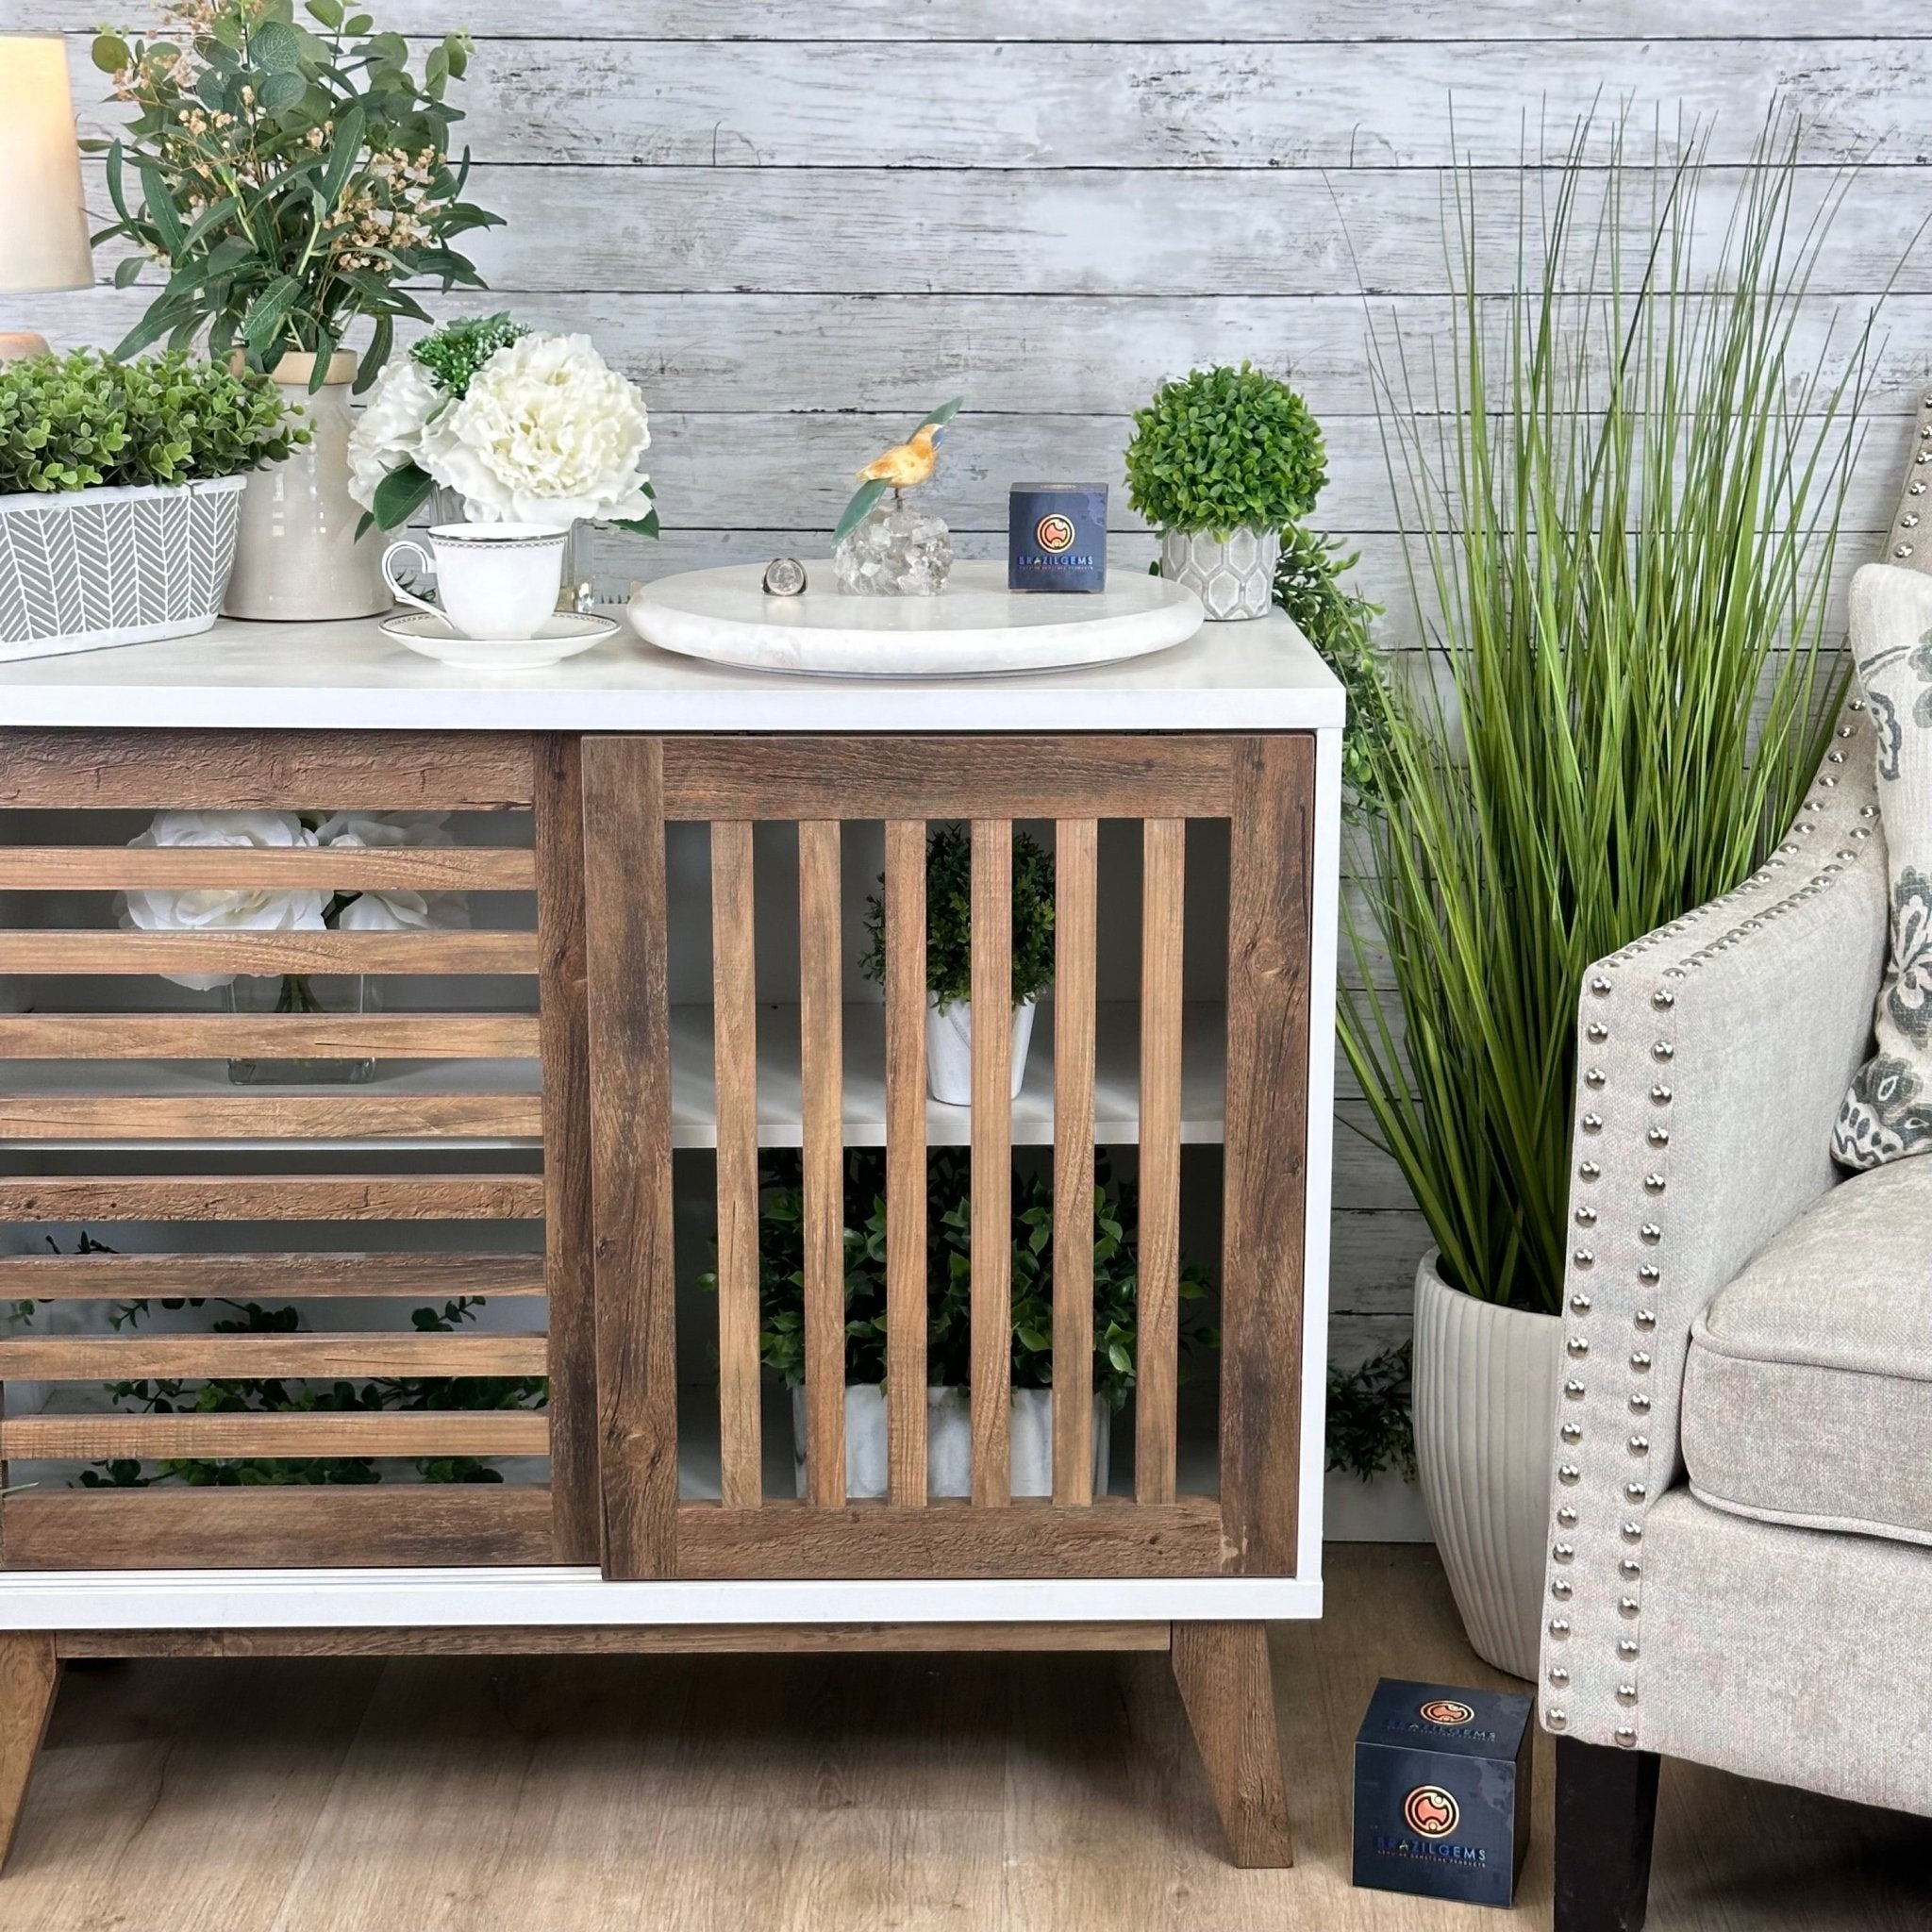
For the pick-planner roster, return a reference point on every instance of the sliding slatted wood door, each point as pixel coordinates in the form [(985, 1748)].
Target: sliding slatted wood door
[(224, 1213), (648, 1062)]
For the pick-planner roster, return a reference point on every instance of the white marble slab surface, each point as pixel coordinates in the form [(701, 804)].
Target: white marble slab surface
[(975, 627), (1260, 676)]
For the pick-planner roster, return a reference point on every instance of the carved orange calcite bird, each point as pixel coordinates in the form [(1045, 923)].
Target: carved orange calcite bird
[(907, 464)]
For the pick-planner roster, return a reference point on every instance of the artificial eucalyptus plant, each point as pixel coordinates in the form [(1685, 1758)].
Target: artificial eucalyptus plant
[(1623, 484), (291, 176)]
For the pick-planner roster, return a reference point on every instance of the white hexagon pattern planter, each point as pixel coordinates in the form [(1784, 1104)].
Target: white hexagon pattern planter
[(1233, 575)]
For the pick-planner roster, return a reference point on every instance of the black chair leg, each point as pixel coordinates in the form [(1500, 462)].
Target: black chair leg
[(1605, 1819)]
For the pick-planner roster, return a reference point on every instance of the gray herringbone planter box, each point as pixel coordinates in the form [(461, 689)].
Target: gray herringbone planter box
[(88, 568)]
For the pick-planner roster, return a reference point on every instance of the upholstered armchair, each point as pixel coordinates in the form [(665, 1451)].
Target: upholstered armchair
[(1738, 1571)]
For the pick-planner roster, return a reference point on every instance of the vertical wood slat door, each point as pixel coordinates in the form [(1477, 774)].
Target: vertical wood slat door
[(635, 789), (348, 1202)]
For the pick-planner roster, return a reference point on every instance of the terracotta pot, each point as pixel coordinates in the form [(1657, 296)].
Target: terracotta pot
[(1486, 1382), (297, 557)]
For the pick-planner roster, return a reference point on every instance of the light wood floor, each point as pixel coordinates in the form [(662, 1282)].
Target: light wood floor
[(824, 1794)]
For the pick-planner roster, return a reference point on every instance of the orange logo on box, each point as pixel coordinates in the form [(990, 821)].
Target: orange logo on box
[(1429, 1811), (1054, 533), (1449, 1711)]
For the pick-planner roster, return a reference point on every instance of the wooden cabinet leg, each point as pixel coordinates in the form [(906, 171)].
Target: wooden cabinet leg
[(1229, 1692), (29, 1674), (1605, 1819)]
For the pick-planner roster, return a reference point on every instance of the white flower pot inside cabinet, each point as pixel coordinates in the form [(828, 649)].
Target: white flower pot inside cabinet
[(949, 1049), (1485, 1427), (127, 564), (1233, 575), (298, 555), (949, 1442)]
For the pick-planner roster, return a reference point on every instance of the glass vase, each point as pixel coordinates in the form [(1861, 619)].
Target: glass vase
[(302, 992)]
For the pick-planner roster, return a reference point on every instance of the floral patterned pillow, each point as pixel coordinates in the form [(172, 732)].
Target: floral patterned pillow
[(1889, 1111)]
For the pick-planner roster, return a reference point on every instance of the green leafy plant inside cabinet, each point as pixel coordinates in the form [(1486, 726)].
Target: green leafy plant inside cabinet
[(288, 1396), (949, 918), (949, 1275)]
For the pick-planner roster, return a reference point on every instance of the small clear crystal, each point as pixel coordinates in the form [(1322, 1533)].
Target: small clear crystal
[(895, 553)]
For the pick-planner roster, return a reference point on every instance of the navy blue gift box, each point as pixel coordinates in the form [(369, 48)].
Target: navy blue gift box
[(1441, 1792), (1057, 537)]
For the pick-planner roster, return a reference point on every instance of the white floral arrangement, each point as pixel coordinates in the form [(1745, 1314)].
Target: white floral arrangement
[(527, 428), (219, 908)]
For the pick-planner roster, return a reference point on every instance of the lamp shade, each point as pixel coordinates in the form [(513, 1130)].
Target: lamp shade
[(43, 216)]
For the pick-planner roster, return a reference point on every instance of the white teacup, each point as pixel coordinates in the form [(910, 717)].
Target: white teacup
[(495, 580)]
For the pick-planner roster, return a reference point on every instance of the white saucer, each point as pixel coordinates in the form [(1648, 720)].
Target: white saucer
[(560, 637)]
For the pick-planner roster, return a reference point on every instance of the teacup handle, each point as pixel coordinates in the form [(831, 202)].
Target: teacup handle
[(423, 558)]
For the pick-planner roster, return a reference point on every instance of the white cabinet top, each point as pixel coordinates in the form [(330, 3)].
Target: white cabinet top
[(1260, 676)]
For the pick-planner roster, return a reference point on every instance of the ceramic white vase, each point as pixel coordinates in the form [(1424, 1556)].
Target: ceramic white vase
[(949, 1050), (949, 1442), (298, 555), (1233, 575), (1486, 1381)]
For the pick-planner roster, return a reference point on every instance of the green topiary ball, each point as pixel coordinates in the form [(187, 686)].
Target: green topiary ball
[(1225, 449)]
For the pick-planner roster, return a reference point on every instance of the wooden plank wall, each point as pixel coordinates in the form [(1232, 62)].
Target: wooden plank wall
[(799, 224)]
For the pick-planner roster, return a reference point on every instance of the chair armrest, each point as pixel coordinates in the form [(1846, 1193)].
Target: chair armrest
[(1712, 1055)]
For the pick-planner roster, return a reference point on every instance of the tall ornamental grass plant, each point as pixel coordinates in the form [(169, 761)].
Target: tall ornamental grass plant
[(1623, 483)]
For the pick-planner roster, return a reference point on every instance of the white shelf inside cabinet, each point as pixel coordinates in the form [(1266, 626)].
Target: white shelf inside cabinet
[(1116, 1080), (184, 1079)]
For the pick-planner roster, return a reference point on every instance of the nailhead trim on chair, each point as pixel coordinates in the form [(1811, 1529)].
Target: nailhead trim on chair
[(1761, 898)]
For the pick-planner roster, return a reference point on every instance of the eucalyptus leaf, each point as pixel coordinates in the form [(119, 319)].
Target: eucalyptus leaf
[(275, 47), (280, 91)]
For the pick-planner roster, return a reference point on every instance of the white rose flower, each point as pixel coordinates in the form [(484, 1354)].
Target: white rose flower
[(388, 433), (395, 910), (220, 909), (547, 433)]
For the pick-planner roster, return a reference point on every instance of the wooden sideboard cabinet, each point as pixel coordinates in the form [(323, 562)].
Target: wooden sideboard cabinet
[(564, 1109)]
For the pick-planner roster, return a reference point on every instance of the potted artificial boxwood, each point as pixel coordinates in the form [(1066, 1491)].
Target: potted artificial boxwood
[(120, 493), (949, 1288), (949, 956), (1626, 693), (1220, 461)]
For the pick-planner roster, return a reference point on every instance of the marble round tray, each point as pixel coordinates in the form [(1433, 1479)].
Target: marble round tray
[(975, 627)]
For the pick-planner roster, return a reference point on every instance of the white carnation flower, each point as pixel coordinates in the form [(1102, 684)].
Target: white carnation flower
[(547, 433), (220, 909), (395, 910), (388, 431)]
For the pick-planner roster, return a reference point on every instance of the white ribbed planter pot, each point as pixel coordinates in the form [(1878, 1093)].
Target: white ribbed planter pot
[(1485, 1432), (949, 1442), (125, 564)]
